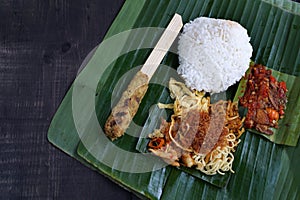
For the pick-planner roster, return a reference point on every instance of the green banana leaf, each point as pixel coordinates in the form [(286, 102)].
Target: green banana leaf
[(289, 127), (263, 170)]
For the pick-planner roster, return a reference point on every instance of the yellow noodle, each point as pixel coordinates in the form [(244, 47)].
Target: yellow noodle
[(220, 159)]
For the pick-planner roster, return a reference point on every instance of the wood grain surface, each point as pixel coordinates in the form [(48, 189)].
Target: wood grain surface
[(42, 44)]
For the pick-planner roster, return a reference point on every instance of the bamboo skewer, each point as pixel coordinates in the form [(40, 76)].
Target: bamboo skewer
[(162, 46), (123, 113)]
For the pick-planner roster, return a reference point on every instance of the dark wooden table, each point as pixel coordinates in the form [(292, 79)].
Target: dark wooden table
[(42, 44)]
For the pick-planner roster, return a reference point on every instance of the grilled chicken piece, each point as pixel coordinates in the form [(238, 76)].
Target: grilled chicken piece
[(262, 117), (187, 160), (169, 156)]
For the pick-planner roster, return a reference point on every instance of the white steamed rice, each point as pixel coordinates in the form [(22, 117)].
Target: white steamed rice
[(213, 54)]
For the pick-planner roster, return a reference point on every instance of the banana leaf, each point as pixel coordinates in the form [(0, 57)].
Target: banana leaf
[(263, 170), (289, 127)]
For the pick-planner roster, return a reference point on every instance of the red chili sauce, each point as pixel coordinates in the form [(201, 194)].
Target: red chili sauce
[(265, 99)]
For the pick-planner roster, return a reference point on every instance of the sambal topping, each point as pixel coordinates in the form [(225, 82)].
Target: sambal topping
[(265, 98)]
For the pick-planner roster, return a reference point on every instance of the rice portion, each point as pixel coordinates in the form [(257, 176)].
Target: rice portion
[(213, 54)]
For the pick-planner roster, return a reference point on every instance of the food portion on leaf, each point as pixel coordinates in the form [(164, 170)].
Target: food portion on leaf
[(123, 113), (200, 134), (265, 98), (213, 53)]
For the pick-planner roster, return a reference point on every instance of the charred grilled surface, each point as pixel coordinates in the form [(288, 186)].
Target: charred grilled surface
[(126, 108)]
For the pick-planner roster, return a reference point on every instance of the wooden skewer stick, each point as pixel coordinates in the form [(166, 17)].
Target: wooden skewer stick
[(123, 113), (162, 46)]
